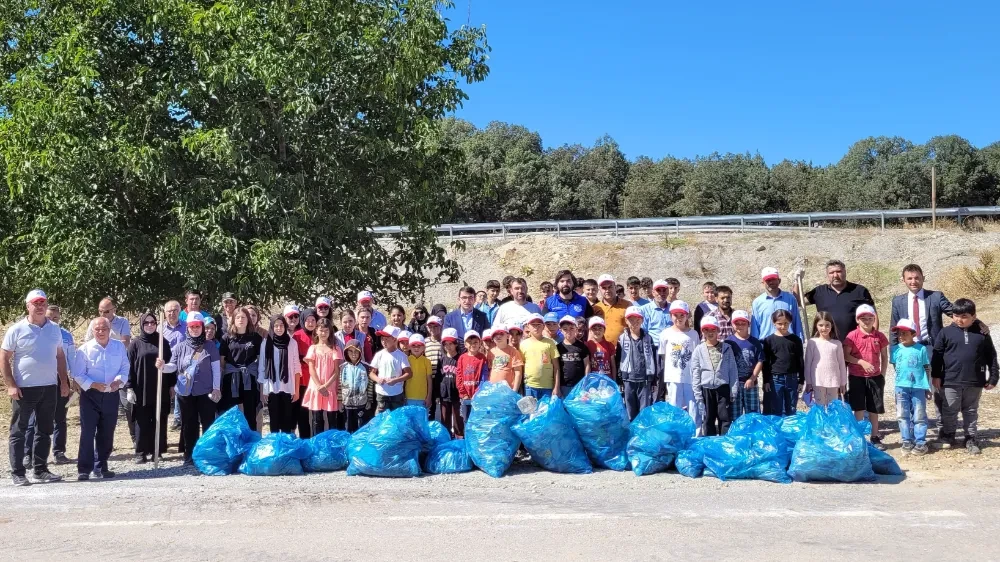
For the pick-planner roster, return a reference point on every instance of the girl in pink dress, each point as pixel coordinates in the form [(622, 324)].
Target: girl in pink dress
[(321, 397)]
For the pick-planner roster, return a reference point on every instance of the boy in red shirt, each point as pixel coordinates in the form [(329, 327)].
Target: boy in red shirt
[(866, 351), (472, 369)]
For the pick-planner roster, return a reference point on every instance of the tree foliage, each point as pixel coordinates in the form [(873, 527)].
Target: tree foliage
[(226, 145)]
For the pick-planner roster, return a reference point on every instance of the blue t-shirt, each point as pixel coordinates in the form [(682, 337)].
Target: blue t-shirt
[(748, 353), (576, 307), (909, 362)]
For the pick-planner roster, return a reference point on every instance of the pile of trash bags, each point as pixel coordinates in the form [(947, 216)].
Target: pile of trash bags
[(590, 428)]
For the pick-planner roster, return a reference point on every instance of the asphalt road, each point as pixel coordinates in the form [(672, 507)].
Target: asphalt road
[(528, 515)]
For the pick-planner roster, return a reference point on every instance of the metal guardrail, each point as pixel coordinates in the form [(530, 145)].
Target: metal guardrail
[(724, 223)]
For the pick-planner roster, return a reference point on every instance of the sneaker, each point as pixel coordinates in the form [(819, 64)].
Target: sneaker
[(920, 450), (104, 474), (176, 426), (62, 459), (141, 459), (877, 443), (20, 480), (45, 477), (82, 477), (972, 447), (907, 446), (945, 441), (188, 463)]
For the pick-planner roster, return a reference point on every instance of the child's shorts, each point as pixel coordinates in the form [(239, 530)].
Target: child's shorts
[(865, 393)]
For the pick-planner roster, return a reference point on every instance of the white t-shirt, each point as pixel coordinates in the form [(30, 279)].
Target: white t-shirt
[(390, 366), (35, 350), (677, 349), (512, 313)]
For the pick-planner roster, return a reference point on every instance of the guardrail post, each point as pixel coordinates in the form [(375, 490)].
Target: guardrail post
[(743, 224), (557, 229), (616, 228), (503, 229), (883, 220), (451, 233), (677, 227), (809, 223)]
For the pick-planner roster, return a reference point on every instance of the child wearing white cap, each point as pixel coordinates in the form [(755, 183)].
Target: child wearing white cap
[(714, 379), (866, 351), (677, 345), (913, 368), (636, 359), (541, 365), (471, 371), (445, 380), (749, 354), (390, 368), (418, 387)]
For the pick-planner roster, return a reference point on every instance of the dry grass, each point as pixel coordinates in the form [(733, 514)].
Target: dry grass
[(981, 279)]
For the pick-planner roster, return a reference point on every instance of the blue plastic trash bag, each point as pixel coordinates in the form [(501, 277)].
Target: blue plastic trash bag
[(656, 435), (753, 449), (690, 461), (866, 427), (390, 444), (278, 454), (489, 439), (221, 449), (883, 463), (601, 420), (449, 457), (792, 427), (439, 435), (833, 448), (328, 451), (550, 438)]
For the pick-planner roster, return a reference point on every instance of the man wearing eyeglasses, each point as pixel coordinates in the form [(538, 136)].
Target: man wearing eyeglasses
[(33, 365)]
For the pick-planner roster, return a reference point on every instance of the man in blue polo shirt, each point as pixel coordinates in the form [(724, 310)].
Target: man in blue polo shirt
[(565, 301), (34, 370), (772, 299)]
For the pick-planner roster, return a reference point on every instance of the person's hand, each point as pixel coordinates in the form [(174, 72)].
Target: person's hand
[(73, 386), (64, 390), (798, 390), (928, 395), (263, 398), (115, 385), (427, 403), (843, 390), (937, 384), (14, 392), (990, 386), (215, 396), (868, 367), (323, 391), (799, 272), (159, 363), (809, 388), (751, 383), (295, 395), (173, 393), (767, 387), (130, 396), (99, 387)]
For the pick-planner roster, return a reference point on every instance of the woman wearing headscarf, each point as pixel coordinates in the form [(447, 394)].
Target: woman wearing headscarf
[(278, 373), (418, 324), (304, 338), (240, 352), (440, 311), (199, 377), (144, 366)]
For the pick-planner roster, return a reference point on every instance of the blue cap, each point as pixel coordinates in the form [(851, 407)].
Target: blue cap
[(552, 317)]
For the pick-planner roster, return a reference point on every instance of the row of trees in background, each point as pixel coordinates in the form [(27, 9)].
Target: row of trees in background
[(509, 176)]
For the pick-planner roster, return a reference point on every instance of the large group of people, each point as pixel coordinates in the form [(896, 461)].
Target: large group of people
[(331, 365)]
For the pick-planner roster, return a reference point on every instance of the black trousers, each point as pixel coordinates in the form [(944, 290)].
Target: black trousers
[(322, 421), (39, 401), (302, 417), (249, 399), (98, 418), (637, 396), (282, 412), (718, 404), (354, 418), (197, 415), (58, 427), (126, 407), (145, 422)]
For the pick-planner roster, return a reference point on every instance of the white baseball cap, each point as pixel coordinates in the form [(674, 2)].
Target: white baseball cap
[(290, 308), (864, 310), (195, 318), (536, 317), (605, 278), (769, 273), (514, 326), (323, 301), (35, 295), (741, 316), (449, 334), (595, 321), (472, 334), (404, 335), (498, 331), (680, 306), (389, 331), (433, 320), (364, 296), (416, 339), (488, 334), (633, 312), (661, 284), (567, 319), (905, 324), (709, 322)]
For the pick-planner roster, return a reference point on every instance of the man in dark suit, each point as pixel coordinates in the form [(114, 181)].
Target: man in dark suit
[(466, 317), (926, 309)]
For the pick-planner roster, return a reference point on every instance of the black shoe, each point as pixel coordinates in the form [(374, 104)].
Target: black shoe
[(877, 443), (972, 447), (104, 474), (141, 459), (82, 477), (20, 480), (28, 462), (920, 450), (945, 441), (62, 459), (907, 446), (45, 477)]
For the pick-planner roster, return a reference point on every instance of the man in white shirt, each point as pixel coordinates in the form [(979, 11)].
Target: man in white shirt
[(101, 369), (519, 309)]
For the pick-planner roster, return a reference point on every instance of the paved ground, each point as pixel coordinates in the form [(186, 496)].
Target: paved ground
[(526, 515)]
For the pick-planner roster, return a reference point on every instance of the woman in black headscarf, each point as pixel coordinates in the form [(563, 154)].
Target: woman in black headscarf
[(418, 324), (144, 365), (278, 375)]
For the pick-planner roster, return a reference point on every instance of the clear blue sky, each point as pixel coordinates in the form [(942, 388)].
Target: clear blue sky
[(800, 80)]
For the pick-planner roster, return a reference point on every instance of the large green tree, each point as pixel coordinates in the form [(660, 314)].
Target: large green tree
[(653, 189), (227, 145), (729, 184)]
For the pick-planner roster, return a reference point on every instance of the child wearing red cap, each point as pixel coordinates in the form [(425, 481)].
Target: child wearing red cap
[(446, 383), (714, 379), (505, 361)]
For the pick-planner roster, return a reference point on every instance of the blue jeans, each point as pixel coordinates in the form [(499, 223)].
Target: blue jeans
[(784, 394), (466, 409), (911, 412), (537, 393)]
